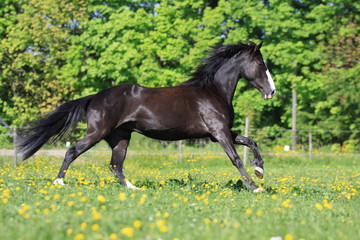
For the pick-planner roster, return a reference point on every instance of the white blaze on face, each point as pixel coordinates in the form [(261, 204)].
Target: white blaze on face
[(271, 81)]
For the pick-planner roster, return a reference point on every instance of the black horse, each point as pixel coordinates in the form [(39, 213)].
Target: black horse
[(200, 107)]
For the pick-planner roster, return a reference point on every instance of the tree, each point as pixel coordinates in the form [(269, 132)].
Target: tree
[(149, 44), (53, 51), (33, 52)]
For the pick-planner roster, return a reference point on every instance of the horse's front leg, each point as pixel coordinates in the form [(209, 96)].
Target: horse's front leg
[(258, 161), (226, 141)]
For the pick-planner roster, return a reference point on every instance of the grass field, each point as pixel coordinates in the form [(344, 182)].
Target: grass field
[(200, 198)]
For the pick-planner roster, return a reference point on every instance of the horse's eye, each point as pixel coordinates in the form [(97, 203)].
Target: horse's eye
[(260, 62)]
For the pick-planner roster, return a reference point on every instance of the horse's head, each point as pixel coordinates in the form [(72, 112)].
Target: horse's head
[(256, 72)]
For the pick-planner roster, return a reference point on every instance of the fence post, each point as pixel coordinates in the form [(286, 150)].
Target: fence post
[(246, 135), (293, 120), (180, 151), (310, 145), (14, 142)]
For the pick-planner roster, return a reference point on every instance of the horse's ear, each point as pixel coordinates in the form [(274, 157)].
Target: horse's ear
[(258, 46)]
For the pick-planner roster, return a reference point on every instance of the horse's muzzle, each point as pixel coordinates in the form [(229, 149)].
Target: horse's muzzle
[(269, 96)]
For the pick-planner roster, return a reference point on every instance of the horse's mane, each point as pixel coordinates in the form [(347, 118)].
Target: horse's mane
[(204, 75)]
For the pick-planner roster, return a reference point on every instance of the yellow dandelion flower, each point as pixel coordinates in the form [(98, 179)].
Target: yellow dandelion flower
[(207, 221), (163, 229), (21, 211), (137, 224), (53, 207), (127, 231), (236, 225), (101, 198), (96, 215), (42, 191), (248, 211), (259, 213), (95, 227), (289, 237), (6, 193), (122, 196), (113, 236), (83, 199), (79, 236), (142, 199), (160, 222), (25, 206), (46, 211), (287, 204), (83, 226), (70, 203), (56, 196), (319, 206), (328, 205), (69, 231), (79, 213)]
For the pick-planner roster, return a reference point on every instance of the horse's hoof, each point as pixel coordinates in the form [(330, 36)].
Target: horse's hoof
[(59, 181), (259, 172), (259, 190), (130, 185)]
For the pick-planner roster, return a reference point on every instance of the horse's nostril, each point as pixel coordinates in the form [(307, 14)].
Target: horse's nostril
[(273, 92)]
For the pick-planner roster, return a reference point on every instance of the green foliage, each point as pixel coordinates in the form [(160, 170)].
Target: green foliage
[(155, 46), (54, 51), (32, 54)]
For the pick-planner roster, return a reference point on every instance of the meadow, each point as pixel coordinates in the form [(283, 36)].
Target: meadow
[(198, 198)]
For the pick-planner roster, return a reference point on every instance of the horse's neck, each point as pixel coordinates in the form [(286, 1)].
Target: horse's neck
[(226, 79)]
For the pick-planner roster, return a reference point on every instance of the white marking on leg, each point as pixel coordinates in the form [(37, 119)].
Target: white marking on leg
[(59, 181), (260, 170), (259, 190), (271, 81), (130, 185)]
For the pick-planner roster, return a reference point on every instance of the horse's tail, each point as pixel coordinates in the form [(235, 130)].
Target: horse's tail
[(57, 124)]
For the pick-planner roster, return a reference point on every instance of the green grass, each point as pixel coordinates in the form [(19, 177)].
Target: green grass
[(199, 198)]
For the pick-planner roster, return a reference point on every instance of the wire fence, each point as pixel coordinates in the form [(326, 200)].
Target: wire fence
[(270, 141)]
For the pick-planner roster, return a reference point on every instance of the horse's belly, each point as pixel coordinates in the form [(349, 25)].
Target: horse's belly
[(170, 135), (171, 131)]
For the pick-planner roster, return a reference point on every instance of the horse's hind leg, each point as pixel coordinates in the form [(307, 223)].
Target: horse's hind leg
[(258, 161), (72, 153), (119, 141)]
